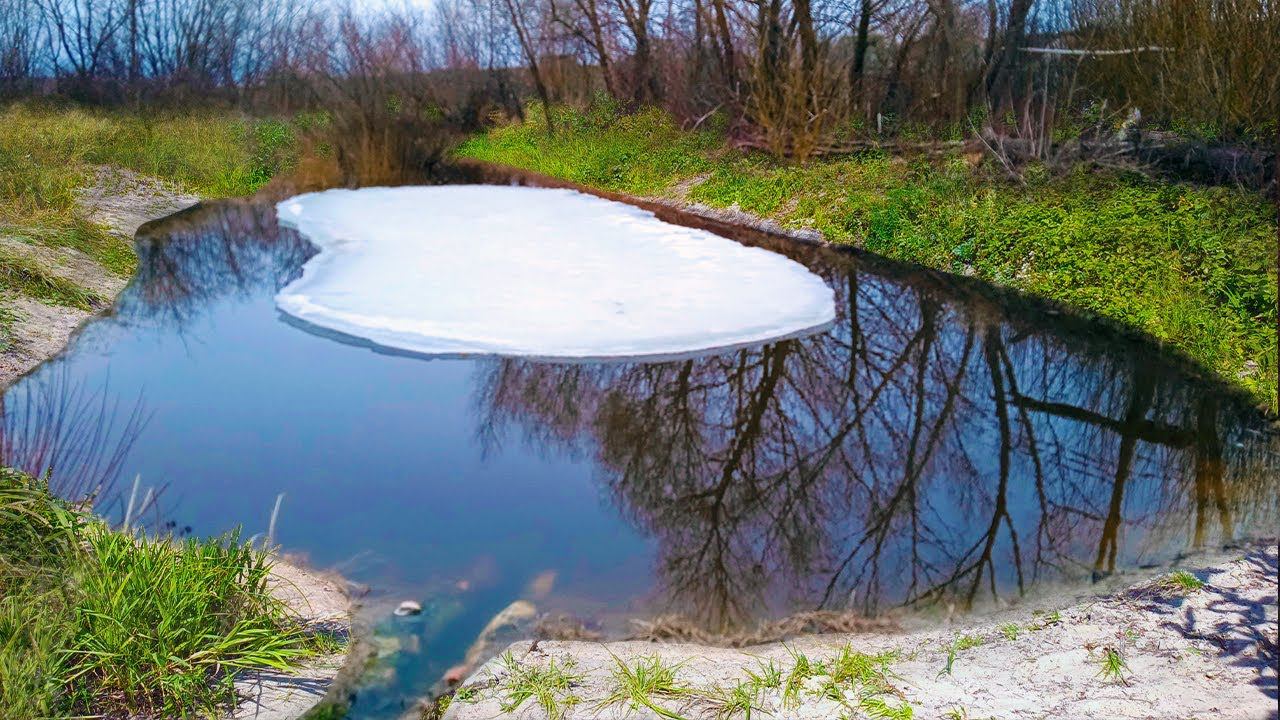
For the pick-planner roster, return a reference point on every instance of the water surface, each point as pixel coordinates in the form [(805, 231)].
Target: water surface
[(943, 441)]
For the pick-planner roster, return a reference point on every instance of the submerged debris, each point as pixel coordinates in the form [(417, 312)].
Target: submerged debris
[(408, 607)]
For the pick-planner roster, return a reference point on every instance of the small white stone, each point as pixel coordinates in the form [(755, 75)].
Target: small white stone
[(408, 607)]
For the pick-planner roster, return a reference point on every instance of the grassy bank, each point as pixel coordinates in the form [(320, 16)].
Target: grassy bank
[(48, 154), (1191, 266), (95, 622)]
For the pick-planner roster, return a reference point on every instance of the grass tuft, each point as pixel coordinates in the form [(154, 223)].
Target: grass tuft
[(766, 676), (878, 707), (1112, 666), (802, 670), (551, 687), (741, 699), (642, 683), (1182, 581), (958, 645)]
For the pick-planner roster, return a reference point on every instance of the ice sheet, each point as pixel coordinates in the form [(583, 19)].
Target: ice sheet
[(482, 269)]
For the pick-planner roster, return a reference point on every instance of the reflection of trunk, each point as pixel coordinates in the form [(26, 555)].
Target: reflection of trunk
[(1209, 487), (720, 600), (1130, 430), (992, 349)]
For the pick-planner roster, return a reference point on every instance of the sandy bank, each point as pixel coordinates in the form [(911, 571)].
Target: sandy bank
[(1186, 653)]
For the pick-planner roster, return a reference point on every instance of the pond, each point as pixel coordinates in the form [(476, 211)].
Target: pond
[(942, 443)]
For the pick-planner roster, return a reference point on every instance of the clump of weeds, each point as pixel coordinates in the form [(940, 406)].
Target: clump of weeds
[(1181, 582), (550, 686), (642, 683), (1112, 666)]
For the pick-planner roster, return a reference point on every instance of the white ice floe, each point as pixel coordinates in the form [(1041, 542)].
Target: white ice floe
[(479, 269)]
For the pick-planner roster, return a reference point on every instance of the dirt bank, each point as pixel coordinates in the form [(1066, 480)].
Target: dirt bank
[(120, 201), (1155, 650)]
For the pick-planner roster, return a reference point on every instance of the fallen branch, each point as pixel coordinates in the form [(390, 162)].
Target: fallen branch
[(1094, 53)]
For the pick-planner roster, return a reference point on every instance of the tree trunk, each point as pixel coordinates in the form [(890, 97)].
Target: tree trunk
[(531, 55), (1014, 34), (860, 43)]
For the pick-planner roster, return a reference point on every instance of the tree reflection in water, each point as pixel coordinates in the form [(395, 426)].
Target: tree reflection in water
[(934, 445), (941, 442), (192, 259)]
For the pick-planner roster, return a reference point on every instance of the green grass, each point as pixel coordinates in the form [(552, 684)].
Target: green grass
[(96, 621), (738, 700), (766, 676), (1010, 631), (551, 687), (1112, 666), (641, 684), (802, 670), (1181, 581), (1193, 267), (878, 707), (1045, 619), (953, 649)]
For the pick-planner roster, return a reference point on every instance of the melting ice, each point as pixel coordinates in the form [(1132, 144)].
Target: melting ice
[(479, 269)]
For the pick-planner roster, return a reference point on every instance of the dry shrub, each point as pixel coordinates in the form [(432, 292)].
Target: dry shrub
[(1205, 66)]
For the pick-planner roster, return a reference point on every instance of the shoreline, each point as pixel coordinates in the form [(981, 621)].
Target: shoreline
[(119, 200), (1203, 652), (736, 223), (122, 201)]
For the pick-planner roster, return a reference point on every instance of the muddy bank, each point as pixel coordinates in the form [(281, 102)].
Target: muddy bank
[(1155, 650)]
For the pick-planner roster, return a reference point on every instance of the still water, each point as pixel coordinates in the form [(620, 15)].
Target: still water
[(943, 441)]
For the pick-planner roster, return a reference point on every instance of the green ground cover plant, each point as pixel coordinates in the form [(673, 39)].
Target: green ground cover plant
[(1191, 266), (97, 621)]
